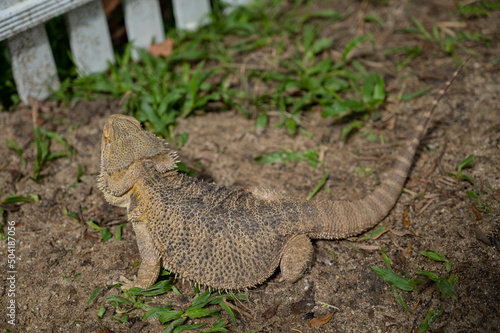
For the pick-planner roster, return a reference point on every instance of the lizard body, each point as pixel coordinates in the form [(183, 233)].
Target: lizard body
[(227, 238)]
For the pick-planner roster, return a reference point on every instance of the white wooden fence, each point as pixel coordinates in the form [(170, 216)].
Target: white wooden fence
[(33, 67)]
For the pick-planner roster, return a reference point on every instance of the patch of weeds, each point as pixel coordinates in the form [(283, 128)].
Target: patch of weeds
[(399, 283), (372, 93), (103, 231), (476, 195), (396, 281), (205, 305), (477, 9), (288, 155), (447, 44), (13, 146), (43, 139), (468, 161)]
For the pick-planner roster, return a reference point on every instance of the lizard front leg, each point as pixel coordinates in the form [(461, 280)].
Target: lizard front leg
[(297, 254), (151, 261)]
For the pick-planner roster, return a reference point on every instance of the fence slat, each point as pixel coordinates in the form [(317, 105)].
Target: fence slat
[(143, 22), (237, 2), (89, 38), (190, 14), (33, 65), (17, 16)]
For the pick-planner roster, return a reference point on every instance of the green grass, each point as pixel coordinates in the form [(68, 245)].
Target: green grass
[(208, 70), (208, 304), (480, 197), (199, 75), (399, 283), (446, 43)]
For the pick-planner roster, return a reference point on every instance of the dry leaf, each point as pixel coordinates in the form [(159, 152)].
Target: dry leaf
[(407, 252), (477, 212), (317, 322), (406, 218), (271, 311), (496, 195), (402, 233), (163, 49)]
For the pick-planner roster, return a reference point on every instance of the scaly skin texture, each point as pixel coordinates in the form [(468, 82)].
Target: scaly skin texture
[(226, 238)]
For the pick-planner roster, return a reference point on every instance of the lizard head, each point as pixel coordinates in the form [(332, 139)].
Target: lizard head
[(123, 143)]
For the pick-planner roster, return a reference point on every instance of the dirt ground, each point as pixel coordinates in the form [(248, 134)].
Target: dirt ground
[(60, 261)]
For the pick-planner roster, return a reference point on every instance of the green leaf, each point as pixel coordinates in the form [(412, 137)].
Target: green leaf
[(355, 125), (392, 278), (229, 311), (262, 120), (321, 45), (422, 30), (418, 93), (187, 327), (94, 294), (116, 300), (166, 316), (374, 233), (447, 289), (429, 320), (399, 298), (443, 284), (73, 215), (353, 43), (174, 324), (200, 312), (430, 275), (79, 173), (438, 257), (118, 236), (318, 187), (101, 312), (105, 234), (201, 300), (156, 311), (92, 224), (158, 288), (13, 199)]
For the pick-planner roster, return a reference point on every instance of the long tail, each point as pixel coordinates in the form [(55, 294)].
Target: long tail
[(341, 219)]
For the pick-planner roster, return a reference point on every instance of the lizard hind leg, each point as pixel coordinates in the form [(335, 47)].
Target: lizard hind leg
[(296, 256), (151, 261)]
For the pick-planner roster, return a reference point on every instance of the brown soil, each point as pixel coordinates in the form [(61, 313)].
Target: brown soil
[(60, 261)]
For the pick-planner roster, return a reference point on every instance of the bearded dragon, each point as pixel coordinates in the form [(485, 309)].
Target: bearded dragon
[(224, 237)]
